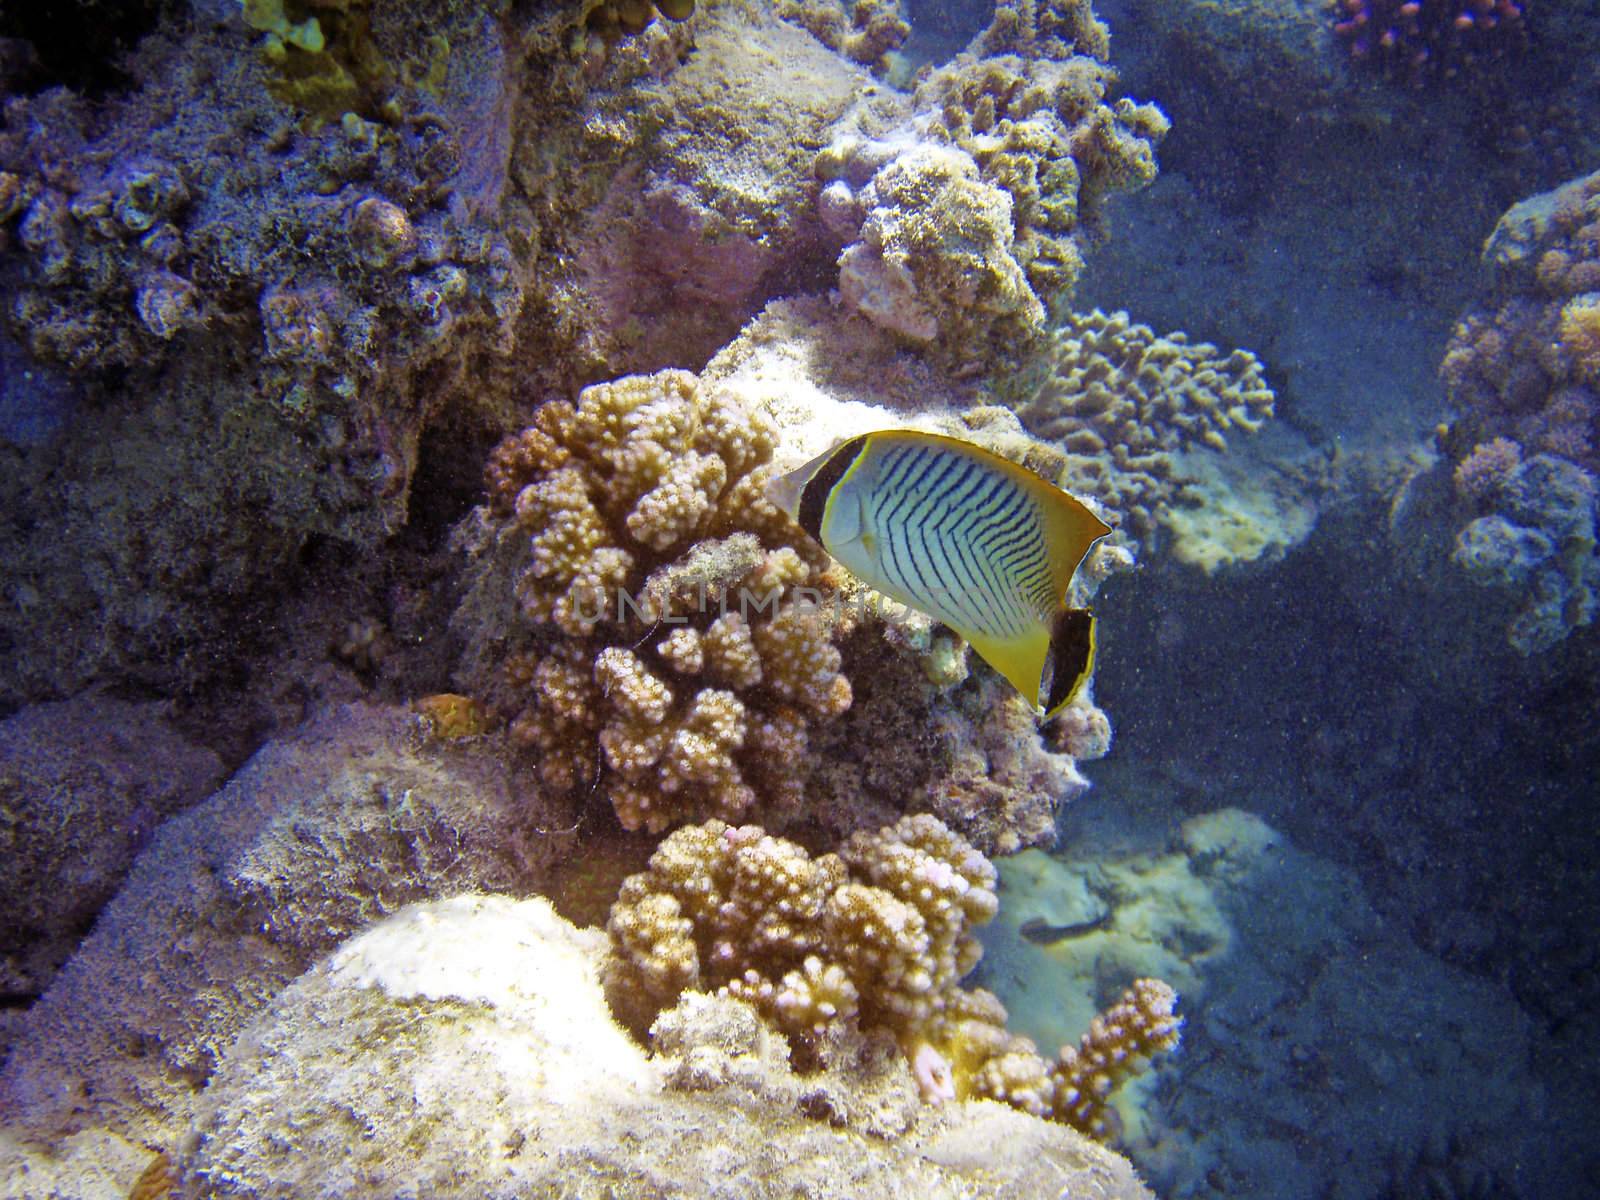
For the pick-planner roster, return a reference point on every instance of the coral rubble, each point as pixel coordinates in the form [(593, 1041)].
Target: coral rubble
[(877, 936)]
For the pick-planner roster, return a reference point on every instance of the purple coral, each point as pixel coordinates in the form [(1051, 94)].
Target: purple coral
[(1426, 39)]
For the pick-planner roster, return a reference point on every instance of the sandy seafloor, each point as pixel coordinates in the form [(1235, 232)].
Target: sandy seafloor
[(1350, 824)]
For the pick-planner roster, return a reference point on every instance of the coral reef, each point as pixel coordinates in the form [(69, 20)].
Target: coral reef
[(970, 231), (921, 734), (1523, 373), (1526, 363), (256, 319), (83, 786), (877, 936), (1424, 40), (610, 20), (457, 1033), (675, 648), (864, 31), (314, 236), (319, 835)]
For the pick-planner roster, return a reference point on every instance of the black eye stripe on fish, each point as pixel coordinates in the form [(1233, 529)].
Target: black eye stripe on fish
[(814, 495), (978, 542)]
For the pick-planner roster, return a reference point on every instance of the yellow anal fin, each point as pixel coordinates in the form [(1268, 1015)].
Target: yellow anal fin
[(1021, 659)]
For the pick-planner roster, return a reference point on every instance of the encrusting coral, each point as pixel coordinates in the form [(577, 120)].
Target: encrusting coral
[(1122, 400), (678, 667), (877, 936)]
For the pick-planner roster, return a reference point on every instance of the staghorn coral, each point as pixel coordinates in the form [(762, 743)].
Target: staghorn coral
[(679, 665), (877, 936), (1140, 1025), (1123, 402)]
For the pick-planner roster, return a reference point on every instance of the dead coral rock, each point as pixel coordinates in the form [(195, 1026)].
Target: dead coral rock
[(501, 997), (83, 786), (712, 214), (318, 835)]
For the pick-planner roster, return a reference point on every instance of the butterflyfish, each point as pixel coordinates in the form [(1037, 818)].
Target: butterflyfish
[(965, 536)]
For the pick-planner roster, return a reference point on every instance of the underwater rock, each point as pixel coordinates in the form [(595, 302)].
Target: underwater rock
[(1541, 546), (320, 834), (469, 1043), (83, 786), (1277, 55), (1302, 1005), (713, 214), (88, 1165)]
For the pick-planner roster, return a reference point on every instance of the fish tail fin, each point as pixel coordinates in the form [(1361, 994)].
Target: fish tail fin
[(1071, 658)]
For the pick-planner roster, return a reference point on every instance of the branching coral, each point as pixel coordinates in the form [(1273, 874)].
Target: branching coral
[(1121, 401), (678, 667), (877, 936)]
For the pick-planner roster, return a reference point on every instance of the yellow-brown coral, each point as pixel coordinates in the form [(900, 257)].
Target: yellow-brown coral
[(449, 716), (877, 936), (881, 930), (676, 657), (1579, 330), (156, 1182)]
